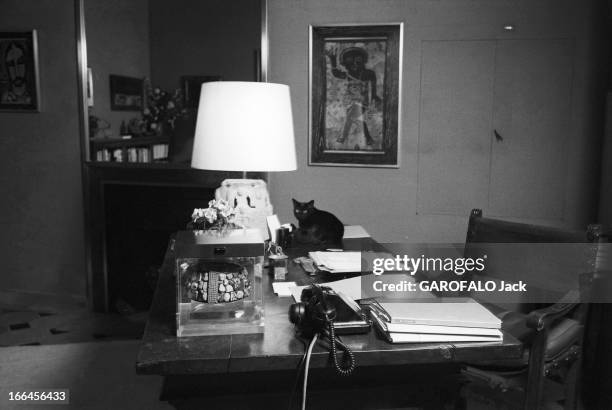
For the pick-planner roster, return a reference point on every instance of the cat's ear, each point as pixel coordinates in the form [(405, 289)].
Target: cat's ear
[(310, 203), (294, 201)]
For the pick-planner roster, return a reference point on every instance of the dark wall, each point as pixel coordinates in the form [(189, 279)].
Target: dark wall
[(605, 199), (41, 207), (117, 43), (213, 37)]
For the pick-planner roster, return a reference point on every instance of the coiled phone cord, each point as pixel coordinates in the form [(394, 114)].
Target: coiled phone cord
[(351, 357)]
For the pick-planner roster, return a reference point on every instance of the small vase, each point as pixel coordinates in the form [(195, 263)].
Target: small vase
[(159, 130)]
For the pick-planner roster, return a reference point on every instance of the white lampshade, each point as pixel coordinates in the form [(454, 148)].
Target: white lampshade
[(244, 126)]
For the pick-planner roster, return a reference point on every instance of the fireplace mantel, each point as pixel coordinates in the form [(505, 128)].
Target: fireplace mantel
[(99, 176)]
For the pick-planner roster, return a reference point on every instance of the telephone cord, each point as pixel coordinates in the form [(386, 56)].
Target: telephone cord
[(306, 366), (298, 376), (351, 365)]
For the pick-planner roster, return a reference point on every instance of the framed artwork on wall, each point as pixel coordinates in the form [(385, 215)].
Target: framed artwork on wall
[(191, 86), (354, 95), (19, 81), (126, 93)]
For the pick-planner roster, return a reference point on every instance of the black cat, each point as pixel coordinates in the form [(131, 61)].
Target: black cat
[(316, 226)]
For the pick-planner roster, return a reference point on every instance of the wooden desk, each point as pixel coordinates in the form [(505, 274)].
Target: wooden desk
[(277, 350)]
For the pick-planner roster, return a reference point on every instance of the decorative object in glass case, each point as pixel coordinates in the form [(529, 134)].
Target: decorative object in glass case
[(219, 288)]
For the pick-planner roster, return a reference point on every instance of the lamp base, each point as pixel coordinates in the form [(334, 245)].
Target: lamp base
[(251, 201)]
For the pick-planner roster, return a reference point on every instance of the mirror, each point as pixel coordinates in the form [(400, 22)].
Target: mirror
[(144, 62)]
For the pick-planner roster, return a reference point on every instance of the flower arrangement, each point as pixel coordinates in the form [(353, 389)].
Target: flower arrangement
[(162, 109), (219, 216)]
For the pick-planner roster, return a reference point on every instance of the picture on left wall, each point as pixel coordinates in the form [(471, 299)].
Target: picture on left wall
[(19, 82)]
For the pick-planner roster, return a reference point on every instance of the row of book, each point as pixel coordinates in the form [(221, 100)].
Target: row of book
[(133, 154), (439, 320)]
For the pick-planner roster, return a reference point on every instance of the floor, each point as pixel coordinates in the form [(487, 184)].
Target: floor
[(93, 355), (99, 375), (19, 327)]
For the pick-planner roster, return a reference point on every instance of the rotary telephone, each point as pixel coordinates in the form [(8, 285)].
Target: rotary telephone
[(327, 313)]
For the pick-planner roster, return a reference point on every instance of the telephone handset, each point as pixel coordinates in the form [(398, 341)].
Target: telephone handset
[(327, 313)]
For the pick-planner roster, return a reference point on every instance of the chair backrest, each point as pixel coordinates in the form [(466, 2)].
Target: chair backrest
[(488, 230), (550, 270)]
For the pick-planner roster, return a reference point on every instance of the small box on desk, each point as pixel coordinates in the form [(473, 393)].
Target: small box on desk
[(218, 282)]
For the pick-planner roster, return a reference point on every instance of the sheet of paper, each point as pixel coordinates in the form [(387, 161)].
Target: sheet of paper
[(273, 225), (355, 231), (337, 262), (283, 288), (350, 287)]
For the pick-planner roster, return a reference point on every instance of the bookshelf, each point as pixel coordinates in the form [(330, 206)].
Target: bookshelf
[(132, 150)]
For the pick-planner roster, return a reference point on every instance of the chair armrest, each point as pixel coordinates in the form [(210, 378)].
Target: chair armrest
[(542, 318)]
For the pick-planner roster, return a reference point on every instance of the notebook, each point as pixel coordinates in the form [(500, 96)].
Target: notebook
[(423, 335), (428, 338), (461, 312), (448, 330)]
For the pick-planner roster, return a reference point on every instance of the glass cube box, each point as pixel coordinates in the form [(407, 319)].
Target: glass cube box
[(218, 282)]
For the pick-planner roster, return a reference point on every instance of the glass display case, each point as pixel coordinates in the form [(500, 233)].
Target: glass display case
[(219, 282)]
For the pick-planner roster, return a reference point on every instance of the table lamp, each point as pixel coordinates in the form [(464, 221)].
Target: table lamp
[(248, 127)]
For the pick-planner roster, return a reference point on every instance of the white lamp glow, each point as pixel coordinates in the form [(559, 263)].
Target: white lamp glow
[(245, 126)]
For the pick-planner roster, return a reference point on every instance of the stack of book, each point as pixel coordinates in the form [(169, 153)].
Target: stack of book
[(437, 321)]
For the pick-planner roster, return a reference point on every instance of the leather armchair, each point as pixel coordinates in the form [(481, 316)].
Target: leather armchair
[(552, 335)]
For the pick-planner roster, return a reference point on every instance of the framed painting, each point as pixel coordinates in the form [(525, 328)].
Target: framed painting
[(19, 82), (354, 100), (191, 86), (126, 93)]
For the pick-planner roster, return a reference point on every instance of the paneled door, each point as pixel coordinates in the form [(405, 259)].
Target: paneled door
[(494, 126), (457, 79), (532, 120)]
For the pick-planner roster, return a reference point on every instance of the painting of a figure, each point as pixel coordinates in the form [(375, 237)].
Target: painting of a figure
[(355, 74), (18, 72), (354, 98)]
